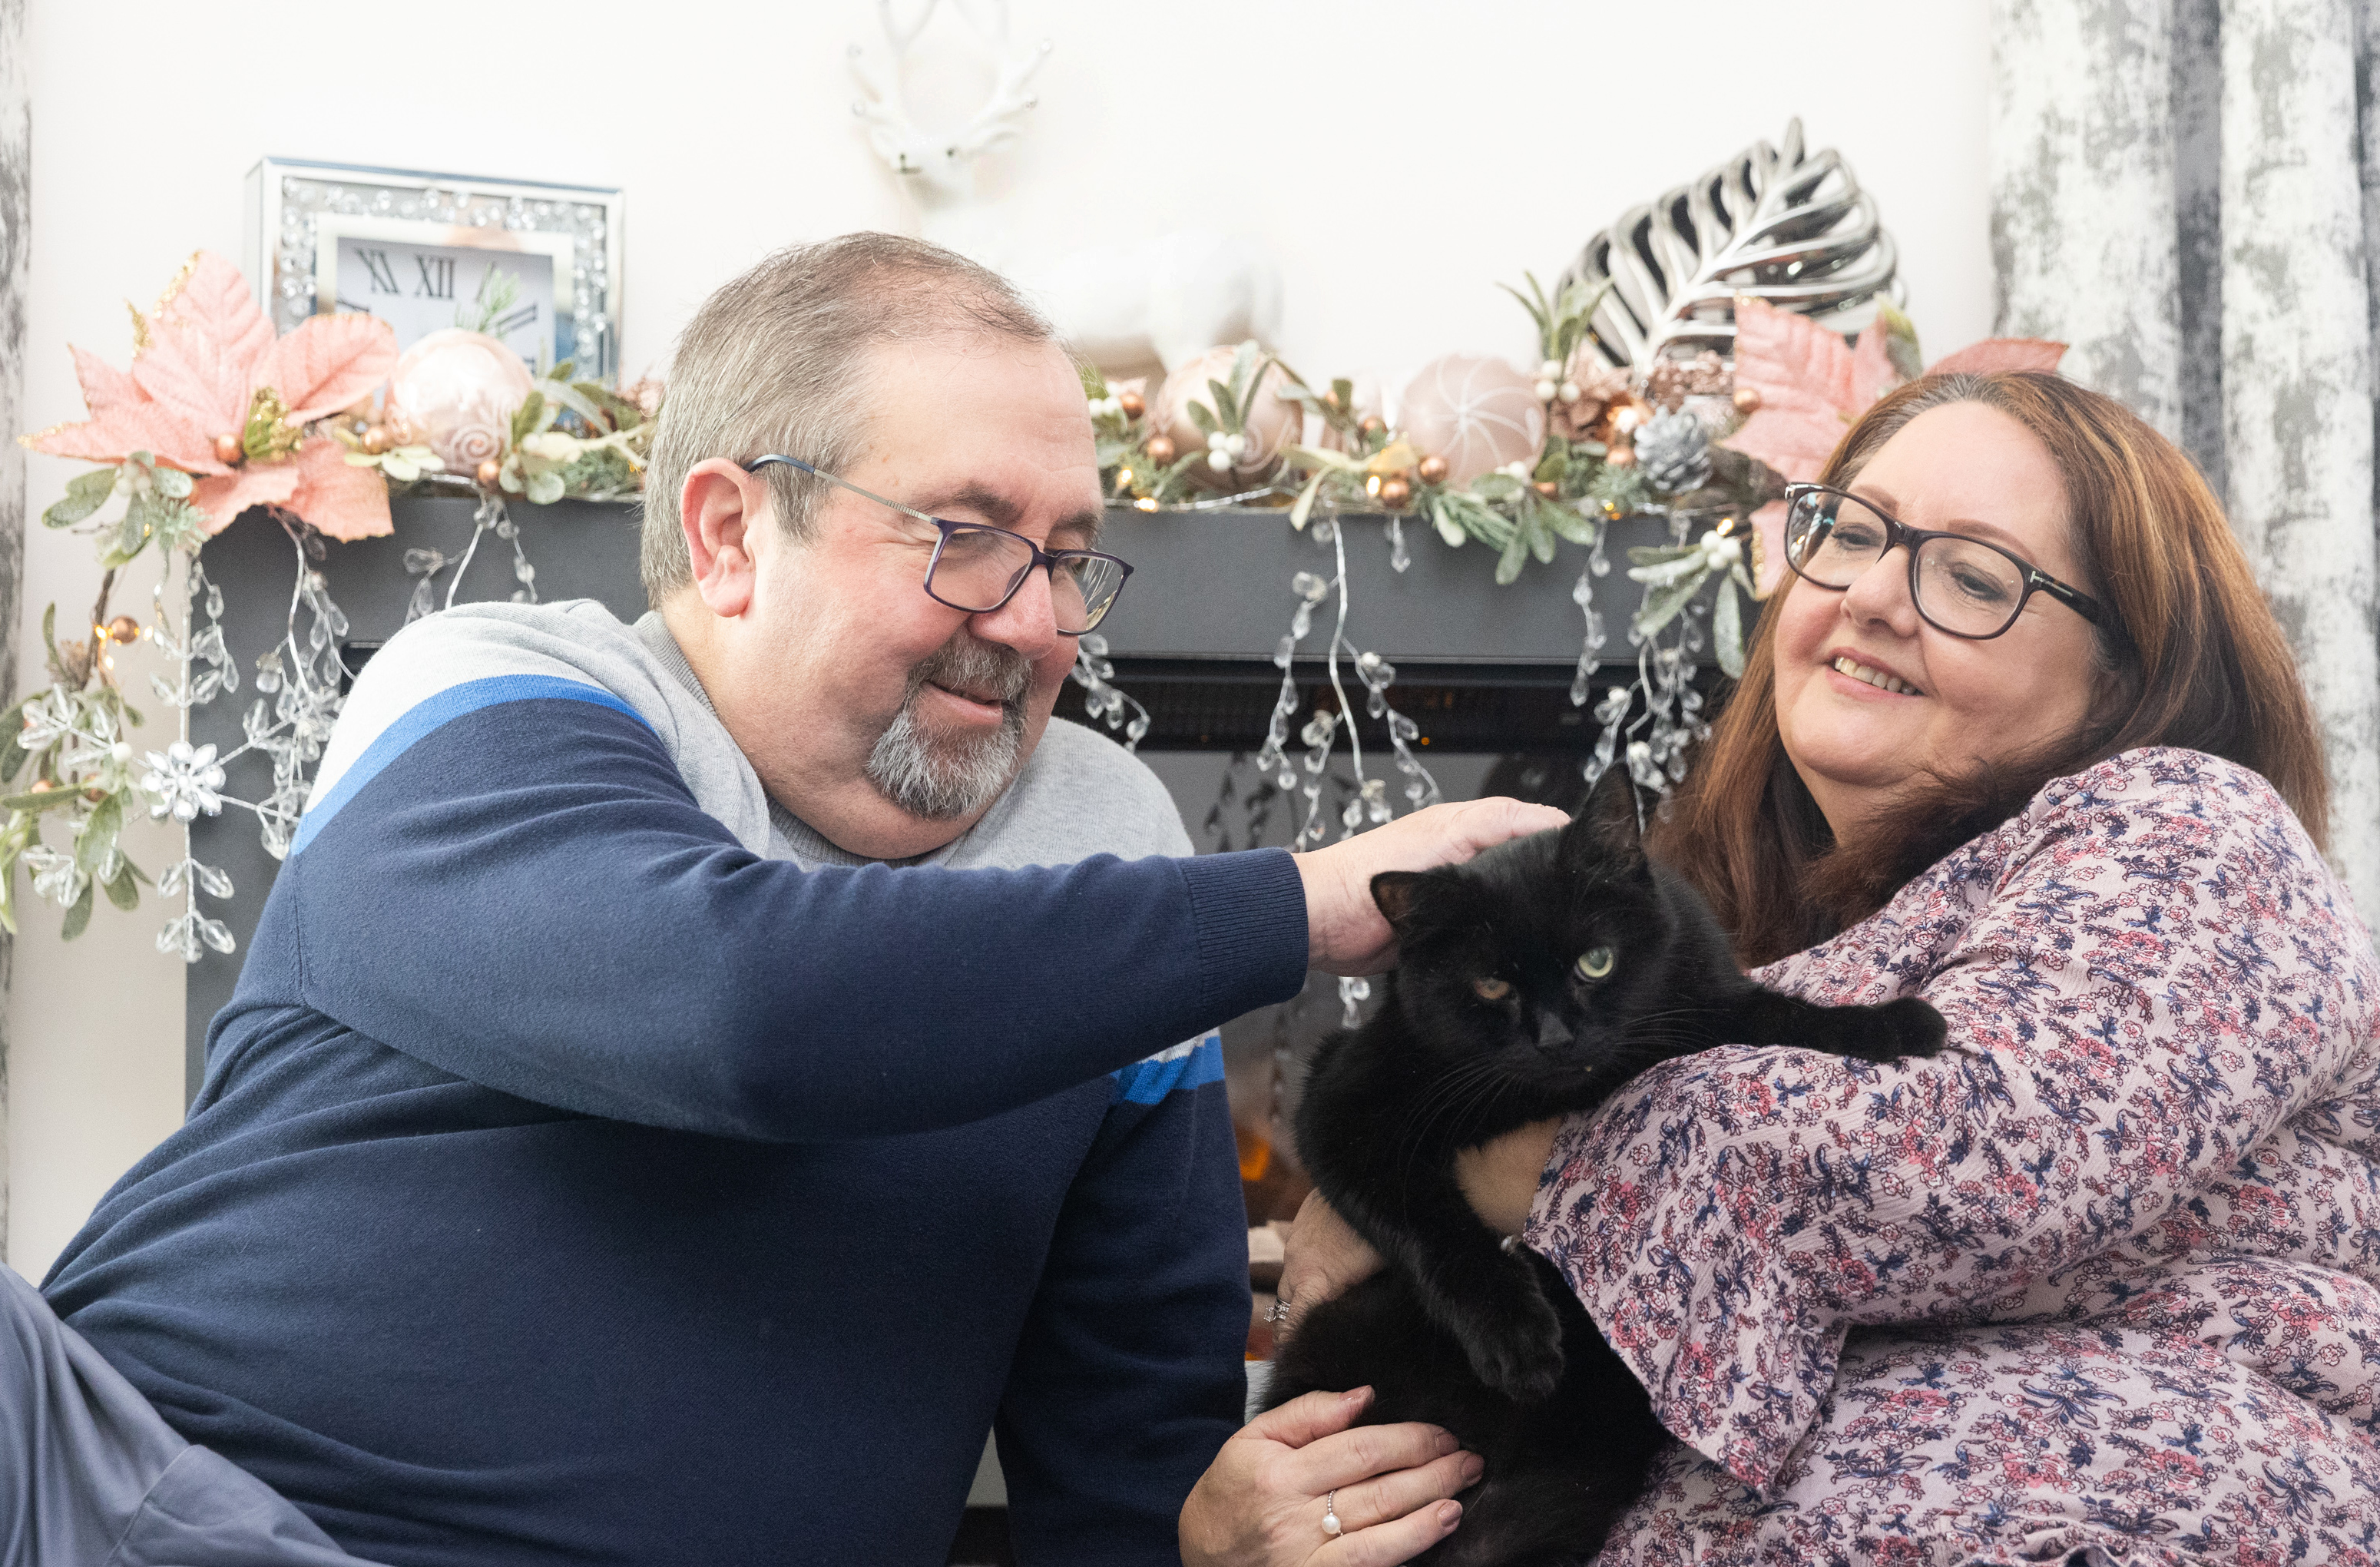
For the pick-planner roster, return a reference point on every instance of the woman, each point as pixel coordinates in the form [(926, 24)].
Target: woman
[(2103, 1280)]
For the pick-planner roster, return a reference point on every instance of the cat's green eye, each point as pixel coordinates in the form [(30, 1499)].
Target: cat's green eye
[(1595, 964), (1491, 988)]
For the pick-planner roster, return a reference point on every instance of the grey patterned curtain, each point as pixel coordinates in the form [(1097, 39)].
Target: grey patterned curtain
[(15, 180), (2187, 192)]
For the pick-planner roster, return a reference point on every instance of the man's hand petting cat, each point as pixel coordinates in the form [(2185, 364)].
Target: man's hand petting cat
[(1346, 933), (1261, 1503)]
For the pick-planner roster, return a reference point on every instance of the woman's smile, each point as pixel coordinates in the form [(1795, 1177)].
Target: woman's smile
[(1875, 675)]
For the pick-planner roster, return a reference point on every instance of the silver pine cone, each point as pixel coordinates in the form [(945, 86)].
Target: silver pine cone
[(1673, 453)]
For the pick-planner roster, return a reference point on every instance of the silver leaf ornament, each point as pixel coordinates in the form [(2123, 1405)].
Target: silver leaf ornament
[(1792, 227)]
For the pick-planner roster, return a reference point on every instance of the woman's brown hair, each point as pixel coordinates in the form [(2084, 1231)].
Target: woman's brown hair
[(2192, 656)]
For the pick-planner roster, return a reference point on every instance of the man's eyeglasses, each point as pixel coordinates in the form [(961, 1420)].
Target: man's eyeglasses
[(977, 568), (1960, 585)]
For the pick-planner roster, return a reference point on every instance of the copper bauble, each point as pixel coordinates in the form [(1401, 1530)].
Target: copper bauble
[(1747, 399), (228, 449), (1161, 450), (376, 440), (1131, 403), (1395, 491), (1372, 424), (1432, 471), (124, 628), (1548, 488), (488, 472), (1620, 456)]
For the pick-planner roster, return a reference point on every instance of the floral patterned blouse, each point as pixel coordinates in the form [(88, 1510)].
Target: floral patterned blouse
[(2102, 1277)]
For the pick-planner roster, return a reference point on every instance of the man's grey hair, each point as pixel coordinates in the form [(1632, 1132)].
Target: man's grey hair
[(775, 361)]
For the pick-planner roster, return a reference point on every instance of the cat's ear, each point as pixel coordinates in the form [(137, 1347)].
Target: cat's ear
[(1607, 830), (1395, 891)]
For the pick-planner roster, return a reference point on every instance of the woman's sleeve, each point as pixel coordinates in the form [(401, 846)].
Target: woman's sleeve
[(2143, 975)]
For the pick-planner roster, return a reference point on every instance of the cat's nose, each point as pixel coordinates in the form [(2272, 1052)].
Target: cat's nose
[(1553, 1034)]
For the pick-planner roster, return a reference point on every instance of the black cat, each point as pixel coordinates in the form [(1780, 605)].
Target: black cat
[(1534, 982)]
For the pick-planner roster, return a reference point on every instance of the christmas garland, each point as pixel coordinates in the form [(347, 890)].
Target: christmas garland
[(319, 427), (216, 416)]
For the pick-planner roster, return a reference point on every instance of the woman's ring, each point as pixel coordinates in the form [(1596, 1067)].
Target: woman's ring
[(1277, 1312), (1330, 1514)]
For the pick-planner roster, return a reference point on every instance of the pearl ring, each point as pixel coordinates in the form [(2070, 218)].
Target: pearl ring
[(1331, 1524)]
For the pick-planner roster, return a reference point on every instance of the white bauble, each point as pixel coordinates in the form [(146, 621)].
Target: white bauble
[(1478, 414), (459, 390)]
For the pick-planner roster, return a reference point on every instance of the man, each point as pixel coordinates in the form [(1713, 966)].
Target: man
[(638, 1134)]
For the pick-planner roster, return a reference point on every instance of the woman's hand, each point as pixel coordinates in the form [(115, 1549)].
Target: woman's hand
[(1322, 1256), (1262, 1501), (1500, 1177)]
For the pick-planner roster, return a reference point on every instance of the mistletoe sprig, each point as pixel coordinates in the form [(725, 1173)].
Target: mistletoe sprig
[(576, 438), (1674, 575), (1140, 465)]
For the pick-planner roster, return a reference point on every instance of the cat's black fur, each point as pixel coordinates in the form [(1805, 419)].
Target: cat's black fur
[(1488, 1342)]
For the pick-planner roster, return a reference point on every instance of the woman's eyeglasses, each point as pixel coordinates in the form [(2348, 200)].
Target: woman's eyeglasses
[(977, 568), (1960, 585)]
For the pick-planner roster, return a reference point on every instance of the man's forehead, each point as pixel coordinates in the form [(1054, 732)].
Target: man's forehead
[(990, 502)]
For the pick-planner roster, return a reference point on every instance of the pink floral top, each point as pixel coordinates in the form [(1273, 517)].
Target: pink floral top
[(1993, 1293)]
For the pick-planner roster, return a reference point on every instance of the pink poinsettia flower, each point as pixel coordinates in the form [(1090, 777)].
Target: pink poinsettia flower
[(188, 397), (1813, 387)]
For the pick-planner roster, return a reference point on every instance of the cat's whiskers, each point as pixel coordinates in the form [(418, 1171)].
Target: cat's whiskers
[(1458, 1093)]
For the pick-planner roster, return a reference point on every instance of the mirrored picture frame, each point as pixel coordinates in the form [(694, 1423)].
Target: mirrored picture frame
[(540, 262)]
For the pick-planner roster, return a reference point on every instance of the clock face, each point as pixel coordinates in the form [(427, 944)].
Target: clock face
[(419, 289)]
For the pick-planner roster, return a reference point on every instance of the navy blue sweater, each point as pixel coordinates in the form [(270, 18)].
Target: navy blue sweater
[(570, 1184)]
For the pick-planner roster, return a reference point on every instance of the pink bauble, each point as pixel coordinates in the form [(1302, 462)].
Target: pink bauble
[(1476, 413), (1273, 424), (459, 390)]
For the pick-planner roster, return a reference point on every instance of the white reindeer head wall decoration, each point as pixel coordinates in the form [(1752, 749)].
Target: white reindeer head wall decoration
[(939, 168), (1164, 299)]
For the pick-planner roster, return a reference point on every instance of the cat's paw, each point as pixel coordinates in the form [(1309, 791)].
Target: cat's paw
[(1520, 1354), (1902, 1029)]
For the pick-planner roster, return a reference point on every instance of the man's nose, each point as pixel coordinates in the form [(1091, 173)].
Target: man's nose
[(1027, 623)]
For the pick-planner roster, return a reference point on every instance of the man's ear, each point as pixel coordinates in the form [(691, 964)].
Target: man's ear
[(722, 509), (1606, 828)]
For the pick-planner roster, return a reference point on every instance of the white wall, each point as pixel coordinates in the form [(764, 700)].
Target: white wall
[(1400, 158)]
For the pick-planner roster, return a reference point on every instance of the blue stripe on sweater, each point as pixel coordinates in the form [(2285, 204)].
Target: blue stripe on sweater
[(425, 717), (1184, 1068)]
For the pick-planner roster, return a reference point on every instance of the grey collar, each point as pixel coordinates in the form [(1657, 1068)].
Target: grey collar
[(799, 840), (654, 633)]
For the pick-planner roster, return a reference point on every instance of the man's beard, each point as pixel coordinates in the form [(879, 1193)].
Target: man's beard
[(940, 777)]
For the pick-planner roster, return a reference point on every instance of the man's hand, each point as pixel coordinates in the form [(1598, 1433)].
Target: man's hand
[(1262, 1501), (1345, 930), (1323, 1257)]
